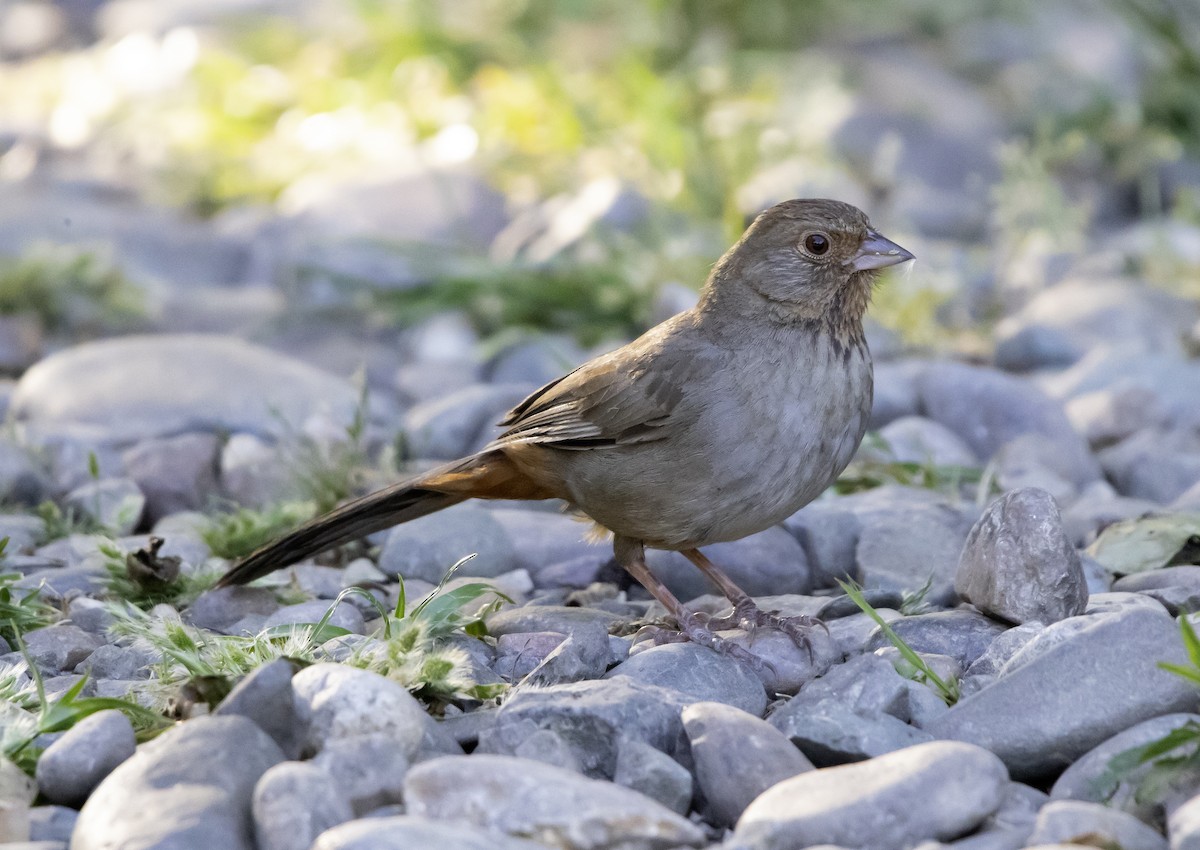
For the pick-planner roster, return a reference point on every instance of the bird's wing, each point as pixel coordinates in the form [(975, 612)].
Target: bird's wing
[(628, 396)]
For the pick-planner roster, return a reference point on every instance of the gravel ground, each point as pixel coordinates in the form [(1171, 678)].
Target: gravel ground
[(1024, 516)]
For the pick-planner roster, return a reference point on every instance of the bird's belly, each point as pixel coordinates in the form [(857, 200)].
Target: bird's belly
[(750, 460)]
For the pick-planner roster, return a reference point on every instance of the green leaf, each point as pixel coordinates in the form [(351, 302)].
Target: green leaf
[(316, 633), (1147, 543), (444, 608)]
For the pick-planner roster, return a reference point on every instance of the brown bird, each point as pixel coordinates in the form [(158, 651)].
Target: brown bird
[(718, 423)]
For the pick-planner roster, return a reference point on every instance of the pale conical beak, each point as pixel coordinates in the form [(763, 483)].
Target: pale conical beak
[(876, 252)]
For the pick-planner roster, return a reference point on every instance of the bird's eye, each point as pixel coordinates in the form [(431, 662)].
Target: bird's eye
[(816, 244)]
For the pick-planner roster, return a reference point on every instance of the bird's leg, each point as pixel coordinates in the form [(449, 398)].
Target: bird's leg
[(631, 555), (746, 614)]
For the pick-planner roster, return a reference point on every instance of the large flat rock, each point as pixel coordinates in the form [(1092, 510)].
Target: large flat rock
[(139, 387)]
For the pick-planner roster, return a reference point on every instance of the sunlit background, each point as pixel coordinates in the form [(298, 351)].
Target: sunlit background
[(571, 169)]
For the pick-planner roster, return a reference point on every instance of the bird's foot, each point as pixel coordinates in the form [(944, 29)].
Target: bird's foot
[(751, 619), (693, 630)]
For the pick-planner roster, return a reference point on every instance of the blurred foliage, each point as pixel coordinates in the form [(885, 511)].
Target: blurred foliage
[(693, 102), (58, 523), (69, 289), (237, 534), (875, 465), (609, 294), (1170, 30), (21, 609)]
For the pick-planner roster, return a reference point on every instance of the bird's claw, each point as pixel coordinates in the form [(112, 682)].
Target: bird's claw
[(750, 618), (693, 630)]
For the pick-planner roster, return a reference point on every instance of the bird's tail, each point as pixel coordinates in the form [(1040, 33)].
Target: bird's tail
[(486, 475)]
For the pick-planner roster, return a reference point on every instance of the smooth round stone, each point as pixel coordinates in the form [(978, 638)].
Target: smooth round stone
[(404, 832), (697, 673), (294, 802), (519, 797), (988, 408), (139, 387), (334, 701), (1044, 713), (737, 756), (1068, 820), (1088, 777), (936, 790), (71, 768), (189, 787)]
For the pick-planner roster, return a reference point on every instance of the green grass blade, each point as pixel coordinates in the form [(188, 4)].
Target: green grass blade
[(948, 692), (1189, 673), (1190, 641)]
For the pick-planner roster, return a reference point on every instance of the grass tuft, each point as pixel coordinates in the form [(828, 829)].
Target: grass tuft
[(235, 535)]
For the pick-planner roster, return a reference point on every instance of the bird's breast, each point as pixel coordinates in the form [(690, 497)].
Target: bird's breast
[(789, 432)]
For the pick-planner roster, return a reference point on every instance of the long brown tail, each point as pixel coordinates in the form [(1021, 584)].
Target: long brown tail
[(489, 475)]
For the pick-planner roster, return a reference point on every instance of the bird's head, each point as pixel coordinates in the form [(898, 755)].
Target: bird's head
[(806, 260)]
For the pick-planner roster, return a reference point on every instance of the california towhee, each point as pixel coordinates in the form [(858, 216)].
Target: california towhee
[(716, 424)]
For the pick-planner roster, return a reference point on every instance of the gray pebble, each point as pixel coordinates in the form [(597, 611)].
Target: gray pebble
[(593, 717), (115, 503), (265, 696), (61, 647), (654, 774), (404, 833), (452, 426), (697, 673), (915, 439), (1044, 714), (427, 547), (988, 408), (584, 654), (1183, 825), (120, 662), (936, 790), (542, 745), (542, 538), (1069, 821), (771, 561), (517, 653), (175, 473), (334, 701), (367, 770), (91, 615), (1017, 563), (190, 787), (961, 634), (218, 610), (1153, 464), (52, 823), (737, 757), (344, 616), (130, 388), (519, 797), (548, 618), (1088, 778), (293, 803)]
